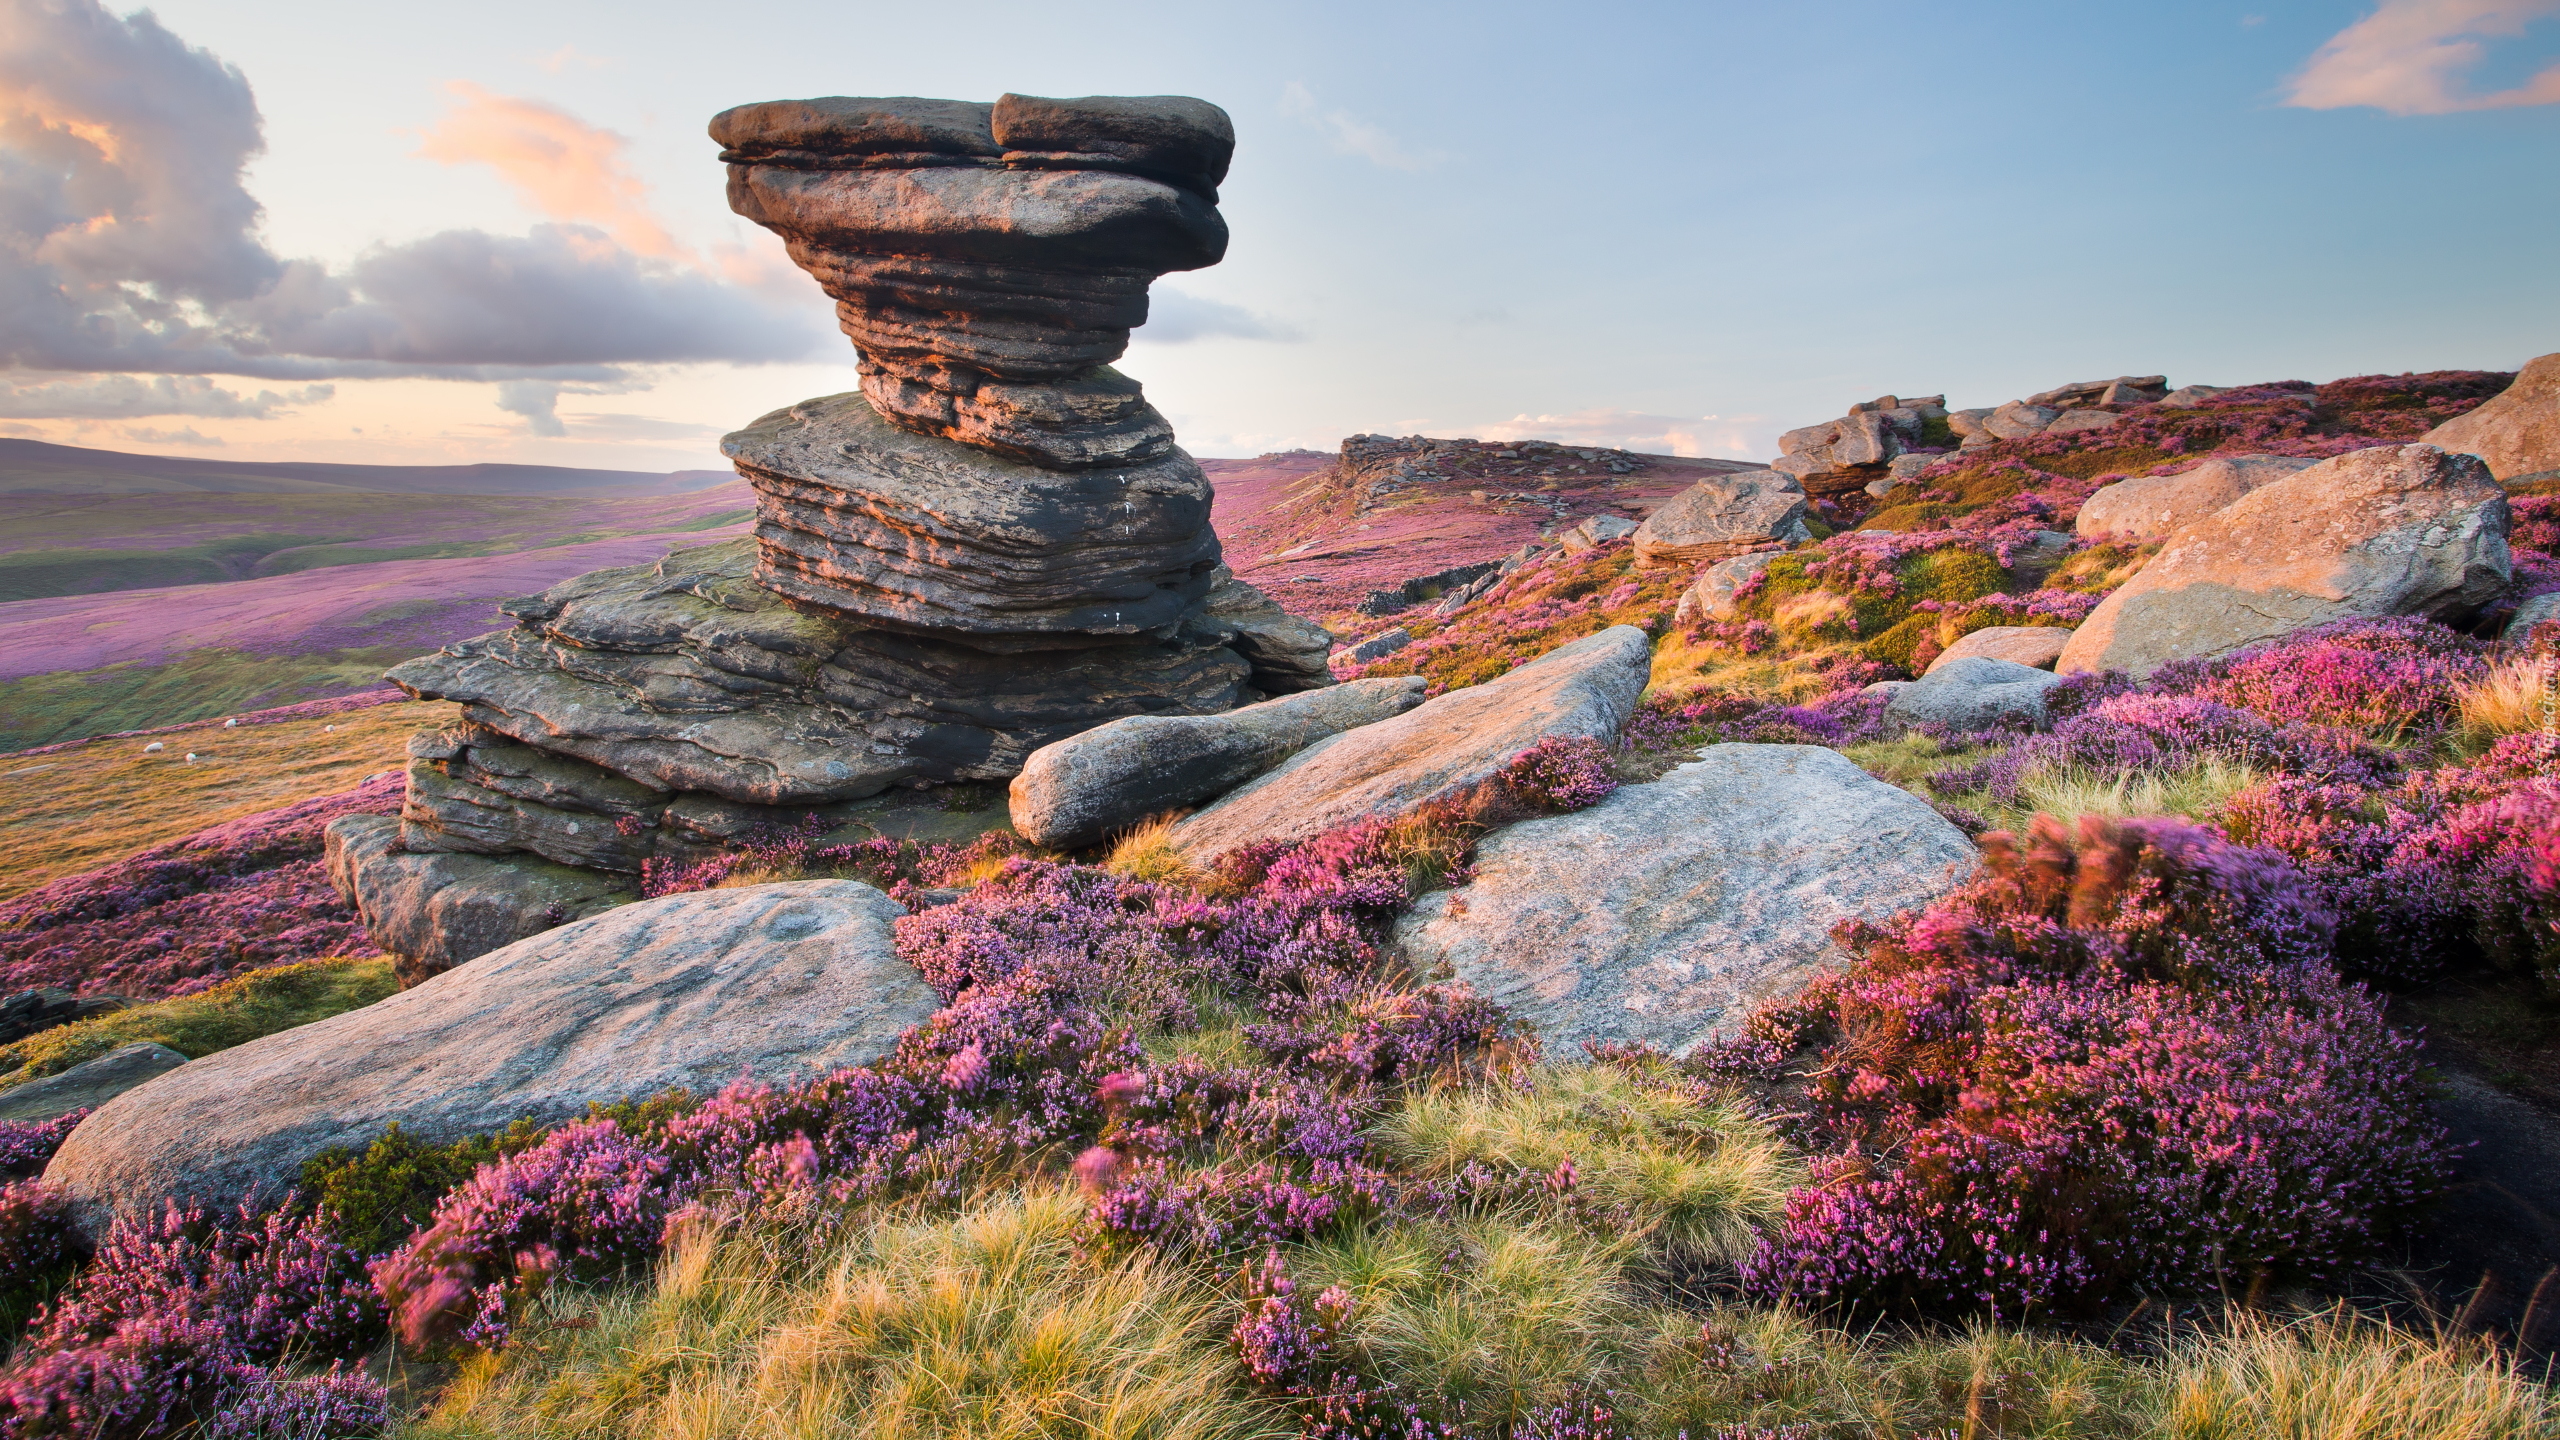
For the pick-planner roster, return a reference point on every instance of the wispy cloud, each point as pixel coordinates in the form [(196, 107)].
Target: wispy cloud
[(1174, 317), (1352, 135), (1632, 430), (559, 165), (188, 436), (126, 397), (2414, 57), (538, 401)]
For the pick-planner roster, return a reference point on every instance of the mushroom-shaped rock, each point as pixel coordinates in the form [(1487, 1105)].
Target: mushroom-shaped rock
[(2390, 530), (1663, 914), (689, 991), (1724, 516)]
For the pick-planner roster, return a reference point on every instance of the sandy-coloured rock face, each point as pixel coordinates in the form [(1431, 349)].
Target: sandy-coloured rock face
[(1723, 516), (1448, 750), (2518, 432), (1081, 789), (2391, 530), (690, 991), (1661, 915), (2147, 507), (2035, 646), (988, 261)]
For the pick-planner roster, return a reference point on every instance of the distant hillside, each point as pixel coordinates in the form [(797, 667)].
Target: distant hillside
[(32, 467)]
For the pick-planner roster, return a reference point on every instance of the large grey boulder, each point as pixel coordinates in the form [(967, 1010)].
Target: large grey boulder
[(2518, 431), (1083, 788), (1715, 594), (433, 911), (688, 991), (89, 1084), (2035, 646), (1974, 692), (1724, 516), (2148, 507), (1446, 751), (2391, 530), (1663, 914)]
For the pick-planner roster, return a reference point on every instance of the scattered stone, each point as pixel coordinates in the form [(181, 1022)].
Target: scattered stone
[(1713, 595), (2541, 609), (2390, 530), (2034, 646), (2188, 397), (1083, 788), (2518, 430), (1446, 751), (1379, 646), (431, 912), (2122, 390), (1662, 915), (155, 747), (1725, 516), (1906, 468), (1597, 530), (1973, 692), (1972, 427), (89, 1084), (45, 1007), (2151, 507), (690, 991)]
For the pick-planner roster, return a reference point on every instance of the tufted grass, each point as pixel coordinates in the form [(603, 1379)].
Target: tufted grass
[(234, 1012), (981, 1325), (2511, 699), (1145, 852), (2334, 1376)]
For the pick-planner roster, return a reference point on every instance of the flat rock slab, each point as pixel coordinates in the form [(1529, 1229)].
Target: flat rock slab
[(89, 1084), (1663, 914), (686, 991), (2518, 431), (1081, 789), (1448, 750), (2034, 646), (2390, 530), (2147, 507), (434, 911)]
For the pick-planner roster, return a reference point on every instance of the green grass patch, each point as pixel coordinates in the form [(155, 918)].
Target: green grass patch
[(42, 574), (322, 557), (199, 685), (234, 1012)]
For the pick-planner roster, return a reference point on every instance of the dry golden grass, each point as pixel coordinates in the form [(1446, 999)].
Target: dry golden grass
[(1145, 852), (2516, 695), (79, 808), (2197, 791), (986, 1325), (2336, 1377)]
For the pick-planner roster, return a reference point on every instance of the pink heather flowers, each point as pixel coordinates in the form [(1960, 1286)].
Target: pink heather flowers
[(1558, 774)]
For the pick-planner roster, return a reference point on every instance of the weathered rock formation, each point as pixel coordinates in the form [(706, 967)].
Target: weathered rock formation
[(1973, 692), (2034, 646), (691, 991), (1717, 592), (1719, 518), (994, 546), (2391, 530), (1839, 456), (1662, 914), (91, 1083), (2148, 507), (2518, 431), (1446, 751), (1086, 786)]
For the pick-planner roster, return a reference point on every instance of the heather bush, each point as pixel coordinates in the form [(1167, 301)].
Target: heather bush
[(1558, 774), (266, 1404), (26, 1144), (375, 1198), (2137, 733), (38, 1248), (2116, 1062), (2394, 678)]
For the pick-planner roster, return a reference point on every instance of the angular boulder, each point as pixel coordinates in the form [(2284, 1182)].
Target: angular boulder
[(1379, 646), (2148, 507), (2539, 610), (1725, 516), (2391, 530), (2019, 419), (1081, 789), (2518, 431), (1663, 914), (1714, 595), (1287, 654), (1974, 692), (2034, 646), (89, 1084), (687, 991), (433, 911), (1448, 750)]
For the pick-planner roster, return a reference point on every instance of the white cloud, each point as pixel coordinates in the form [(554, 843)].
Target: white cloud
[(1352, 135), (1632, 430), (122, 397), (1175, 316), (188, 436), (2413, 57)]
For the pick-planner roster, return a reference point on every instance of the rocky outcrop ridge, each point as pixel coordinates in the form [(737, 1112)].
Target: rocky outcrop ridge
[(1839, 456)]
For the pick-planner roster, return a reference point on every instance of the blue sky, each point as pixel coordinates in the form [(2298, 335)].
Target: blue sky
[(1677, 226)]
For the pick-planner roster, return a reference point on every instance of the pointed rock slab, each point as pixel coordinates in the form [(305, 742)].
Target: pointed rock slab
[(689, 991), (1081, 789), (1446, 751), (2391, 530), (1663, 914), (2518, 431), (927, 535), (2147, 507)]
